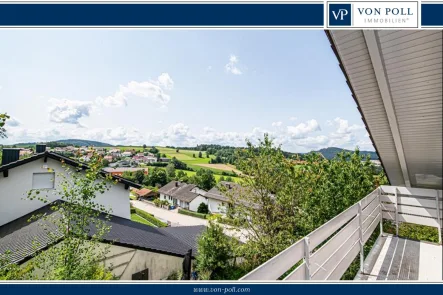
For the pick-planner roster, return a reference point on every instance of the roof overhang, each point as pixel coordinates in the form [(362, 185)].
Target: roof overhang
[(68, 161), (396, 80)]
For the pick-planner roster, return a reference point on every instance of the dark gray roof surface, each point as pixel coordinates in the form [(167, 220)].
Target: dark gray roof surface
[(20, 235), (185, 234), (215, 193), (179, 190)]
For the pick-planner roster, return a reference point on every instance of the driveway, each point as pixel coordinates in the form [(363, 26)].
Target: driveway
[(178, 219)]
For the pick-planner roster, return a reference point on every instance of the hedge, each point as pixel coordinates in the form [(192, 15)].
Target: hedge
[(149, 217), (132, 210), (191, 213)]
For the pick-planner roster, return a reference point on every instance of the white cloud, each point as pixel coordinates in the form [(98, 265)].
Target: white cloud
[(277, 124), (209, 68), (343, 126), (232, 65), (303, 129), (316, 142), (154, 90), (12, 122), (292, 118), (68, 111)]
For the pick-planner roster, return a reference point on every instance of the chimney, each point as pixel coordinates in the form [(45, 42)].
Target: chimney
[(10, 155), (40, 148)]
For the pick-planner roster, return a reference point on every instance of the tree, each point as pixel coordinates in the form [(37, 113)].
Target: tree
[(177, 150), (203, 208), (164, 155), (170, 171), (229, 179), (205, 179), (222, 178), (157, 177), (79, 221), (207, 155), (105, 163), (278, 203), (214, 251), (193, 155), (200, 155), (3, 118), (139, 176), (144, 147)]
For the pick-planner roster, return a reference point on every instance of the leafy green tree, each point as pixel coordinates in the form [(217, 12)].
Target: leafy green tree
[(139, 176), (157, 177), (214, 251), (3, 118), (279, 202), (177, 150), (105, 163), (193, 155), (144, 147), (207, 155), (200, 155), (128, 175), (80, 223), (203, 208), (205, 179), (229, 179), (170, 171)]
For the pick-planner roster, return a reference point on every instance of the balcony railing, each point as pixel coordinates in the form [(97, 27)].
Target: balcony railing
[(327, 252)]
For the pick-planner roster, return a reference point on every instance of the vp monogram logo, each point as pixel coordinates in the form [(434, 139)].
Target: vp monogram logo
[(341, 13)]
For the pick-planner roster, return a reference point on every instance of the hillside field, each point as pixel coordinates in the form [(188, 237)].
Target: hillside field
[(186, 157)]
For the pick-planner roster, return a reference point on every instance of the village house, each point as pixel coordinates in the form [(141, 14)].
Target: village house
[(136, 251), (186, 196)]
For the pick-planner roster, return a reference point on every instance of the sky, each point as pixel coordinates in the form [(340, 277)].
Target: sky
[(177, 87)]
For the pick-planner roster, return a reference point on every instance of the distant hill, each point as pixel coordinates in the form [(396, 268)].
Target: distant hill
[(330, 152), (75, 142)]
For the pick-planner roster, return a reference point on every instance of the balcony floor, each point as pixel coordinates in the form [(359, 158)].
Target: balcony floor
[(394, 258)]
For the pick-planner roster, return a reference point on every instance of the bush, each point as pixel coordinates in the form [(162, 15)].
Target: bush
[(413, 231), (149, 217), (191, 213), (203, 208), (132, 210), (157, 202)]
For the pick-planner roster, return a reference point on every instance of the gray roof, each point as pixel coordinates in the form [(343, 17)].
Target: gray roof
[(20, 235), (179, 190), (215, 193)]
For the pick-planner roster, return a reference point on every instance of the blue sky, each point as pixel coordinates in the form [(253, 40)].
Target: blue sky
[(177, 87)]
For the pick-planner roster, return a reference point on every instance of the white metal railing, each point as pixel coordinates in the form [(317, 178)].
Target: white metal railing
[(346, 234)]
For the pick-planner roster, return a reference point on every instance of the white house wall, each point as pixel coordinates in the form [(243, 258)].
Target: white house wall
[(193, 205), (215, 206), (14, 189), (127, 261)]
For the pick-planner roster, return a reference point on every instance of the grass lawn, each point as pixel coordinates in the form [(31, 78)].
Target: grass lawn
[(137, 218)]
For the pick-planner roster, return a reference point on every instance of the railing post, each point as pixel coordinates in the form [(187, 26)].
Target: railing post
[(360, 230), (437, 200), (306, 258), (381, 211), (396, 211)]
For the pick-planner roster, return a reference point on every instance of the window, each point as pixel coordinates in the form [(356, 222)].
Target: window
[(141, 275), (43, 180)]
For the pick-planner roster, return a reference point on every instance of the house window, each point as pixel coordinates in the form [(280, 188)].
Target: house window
[(43, 180), (141, 275)]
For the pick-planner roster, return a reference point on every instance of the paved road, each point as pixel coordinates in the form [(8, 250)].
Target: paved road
[(177, 219)]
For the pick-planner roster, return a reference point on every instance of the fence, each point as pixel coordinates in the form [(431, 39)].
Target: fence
[(327, 252)]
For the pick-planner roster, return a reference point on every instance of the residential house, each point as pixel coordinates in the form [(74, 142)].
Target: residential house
[(144, 193), (186, 196), (108, 158), (118, 171), (134, 247), (165, 160), (127, 154), (25, 152), (217, 199)]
